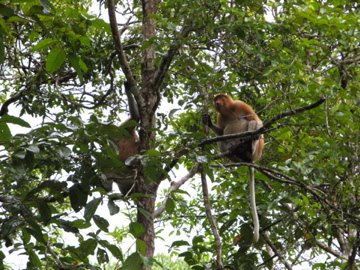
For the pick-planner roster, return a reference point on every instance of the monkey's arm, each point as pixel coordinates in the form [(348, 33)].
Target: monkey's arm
[(206, 120)]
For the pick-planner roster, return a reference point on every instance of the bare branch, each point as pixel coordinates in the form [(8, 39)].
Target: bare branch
[(328, 249), (212, 221), (276, 251), (174, 186)]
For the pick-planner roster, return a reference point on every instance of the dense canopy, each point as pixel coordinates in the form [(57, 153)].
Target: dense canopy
[(63, 66)]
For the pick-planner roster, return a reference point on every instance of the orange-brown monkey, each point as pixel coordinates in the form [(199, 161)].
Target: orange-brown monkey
[(235, 116), (128, 146)]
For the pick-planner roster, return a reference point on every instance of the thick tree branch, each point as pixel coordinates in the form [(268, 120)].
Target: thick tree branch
[(265, 128), (125, 67), (212, 221)]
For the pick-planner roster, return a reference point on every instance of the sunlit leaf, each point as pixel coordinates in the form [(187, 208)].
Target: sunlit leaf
[(133, 262), (55, 59)]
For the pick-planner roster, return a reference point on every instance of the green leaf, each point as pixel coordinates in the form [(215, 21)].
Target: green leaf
[(180, 243), (170, 206), (78, 197), (14, 120), (102, 256), (141, 246), (101, 222), (34, 261), (55, 59), (101, 25), (35, 231), (133, 262), (79, 65), (90, 208), (136, 229), (44, 44), (6, 11), (5, 134), (197, 239), (115, 251), (25, 236), (113, 208), (45, 211), (81, 224), (88, 247)]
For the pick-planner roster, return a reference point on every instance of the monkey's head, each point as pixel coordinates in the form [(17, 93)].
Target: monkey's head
[(222, 102)]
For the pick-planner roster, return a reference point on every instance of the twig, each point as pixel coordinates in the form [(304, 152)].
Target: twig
[(212, 221), (174, 186), (167, 59), (276, 251), (278, 176), (265, 128)]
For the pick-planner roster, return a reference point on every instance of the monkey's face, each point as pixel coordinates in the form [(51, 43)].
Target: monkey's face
[(221, 101)]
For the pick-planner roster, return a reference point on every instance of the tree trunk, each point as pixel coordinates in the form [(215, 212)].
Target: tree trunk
[(146, 204)]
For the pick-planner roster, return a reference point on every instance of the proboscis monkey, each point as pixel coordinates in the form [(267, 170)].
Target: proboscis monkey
[(127, 146), (235, 116)]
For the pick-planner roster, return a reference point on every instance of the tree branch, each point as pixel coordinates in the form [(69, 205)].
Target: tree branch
[(175, 186), (318, 193), (125, 67), (245, 136), (212, 221), (328, 249), (276, 251), (5, 107), (167, 59)]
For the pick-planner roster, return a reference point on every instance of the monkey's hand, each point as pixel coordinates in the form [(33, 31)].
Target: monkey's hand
[(206, 120)]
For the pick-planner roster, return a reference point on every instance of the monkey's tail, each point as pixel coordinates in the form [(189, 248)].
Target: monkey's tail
[(253, 204)]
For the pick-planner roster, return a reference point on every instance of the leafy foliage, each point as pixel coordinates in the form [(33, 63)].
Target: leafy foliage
[(62, 102)]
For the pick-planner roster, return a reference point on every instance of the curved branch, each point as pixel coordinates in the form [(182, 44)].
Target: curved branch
[(264, 129), (5, 107)]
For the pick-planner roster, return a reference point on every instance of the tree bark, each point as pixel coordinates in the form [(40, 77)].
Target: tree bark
[(151, 96)]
